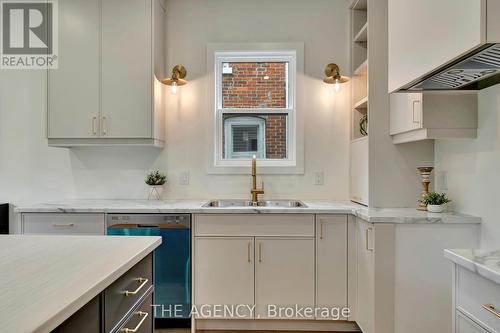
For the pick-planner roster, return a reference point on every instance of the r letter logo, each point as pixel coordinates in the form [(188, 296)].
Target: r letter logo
[(29, 34)]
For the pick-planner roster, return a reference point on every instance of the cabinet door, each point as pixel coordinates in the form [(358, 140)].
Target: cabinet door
[(127, 69), (73, 88), (405, 112), (284, 276), (224, 274), (359, 171), (365, 280), (331, 262), (416, 48)]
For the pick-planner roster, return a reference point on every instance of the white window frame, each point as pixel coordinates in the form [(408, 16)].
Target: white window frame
[(293, 53), (245, 121)]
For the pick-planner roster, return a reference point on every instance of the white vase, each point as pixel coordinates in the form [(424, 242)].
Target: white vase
[(436, 208), (155, 192)]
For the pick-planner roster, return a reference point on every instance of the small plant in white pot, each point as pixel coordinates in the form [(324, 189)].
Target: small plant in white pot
[(155, 180), (436, 202)]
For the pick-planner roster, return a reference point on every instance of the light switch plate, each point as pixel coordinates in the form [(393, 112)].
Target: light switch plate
[(319, 178), (184, 178)]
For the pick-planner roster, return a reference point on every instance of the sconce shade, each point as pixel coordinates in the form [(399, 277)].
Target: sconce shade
[(332, 75), (178, 74)]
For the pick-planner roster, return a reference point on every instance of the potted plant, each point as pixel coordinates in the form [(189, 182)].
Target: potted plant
[(156, 180), (436, 202)]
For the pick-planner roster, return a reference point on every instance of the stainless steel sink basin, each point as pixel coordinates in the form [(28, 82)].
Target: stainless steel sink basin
[(263, 203)]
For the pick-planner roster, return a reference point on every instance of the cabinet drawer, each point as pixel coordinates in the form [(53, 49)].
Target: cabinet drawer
[(63, 224), (473, 292), (466, 325), (141, 319), (125, 293), (254, 225)]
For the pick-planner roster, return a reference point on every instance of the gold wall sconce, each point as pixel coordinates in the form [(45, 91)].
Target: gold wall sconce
[(176, 79), (332, 76)]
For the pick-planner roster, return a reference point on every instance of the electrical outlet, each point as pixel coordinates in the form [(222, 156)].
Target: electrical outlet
[(184, 178), (319, 178), (444, 181)]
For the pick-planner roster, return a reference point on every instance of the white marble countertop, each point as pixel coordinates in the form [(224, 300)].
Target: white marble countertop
[(484, 262), (385, 215), (45, 279)]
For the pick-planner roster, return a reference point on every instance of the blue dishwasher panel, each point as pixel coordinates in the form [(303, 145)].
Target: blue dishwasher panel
[(172, 267)]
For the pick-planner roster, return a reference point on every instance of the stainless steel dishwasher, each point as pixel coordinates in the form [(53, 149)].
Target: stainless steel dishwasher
[(172, 261)]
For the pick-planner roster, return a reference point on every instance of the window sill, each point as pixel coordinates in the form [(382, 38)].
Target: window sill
[(261, 170)]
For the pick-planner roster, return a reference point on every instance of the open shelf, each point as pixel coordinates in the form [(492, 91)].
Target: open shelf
[(359, 4), (362, 35), (361, 104), (362, 69)]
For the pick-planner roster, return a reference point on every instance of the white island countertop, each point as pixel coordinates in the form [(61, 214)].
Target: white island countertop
[(485, 263), (45, 279), (372, 215)]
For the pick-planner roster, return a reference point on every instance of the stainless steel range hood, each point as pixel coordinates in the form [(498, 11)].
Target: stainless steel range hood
[(475, 71)]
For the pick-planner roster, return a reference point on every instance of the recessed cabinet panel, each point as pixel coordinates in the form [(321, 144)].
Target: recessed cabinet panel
[(73, 88), (366, 279), (127, 70), (284, 276), (224, 273), (331, 262), (359, 171)]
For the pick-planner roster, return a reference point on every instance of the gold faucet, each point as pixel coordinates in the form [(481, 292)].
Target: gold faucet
[(255, 191)]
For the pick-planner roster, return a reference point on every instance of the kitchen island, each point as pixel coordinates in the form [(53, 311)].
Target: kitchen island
[(46, 280)]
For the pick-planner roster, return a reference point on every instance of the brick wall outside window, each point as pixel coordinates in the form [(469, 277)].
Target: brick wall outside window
[(260, 85)]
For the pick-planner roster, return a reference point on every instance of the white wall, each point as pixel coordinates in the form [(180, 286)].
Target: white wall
[(472, 168), (323, 26), (32, 171)]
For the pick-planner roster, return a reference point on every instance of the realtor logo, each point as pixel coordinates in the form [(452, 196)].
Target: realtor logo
[(29, 34)]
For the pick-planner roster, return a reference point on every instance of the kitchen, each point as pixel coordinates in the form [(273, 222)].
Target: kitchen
[(336, 224)]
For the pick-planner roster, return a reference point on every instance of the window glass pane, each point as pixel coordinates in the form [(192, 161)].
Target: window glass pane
[(262, 135), (254, 84)]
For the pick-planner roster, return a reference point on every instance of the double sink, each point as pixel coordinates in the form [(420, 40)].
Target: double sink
[(260, 203)]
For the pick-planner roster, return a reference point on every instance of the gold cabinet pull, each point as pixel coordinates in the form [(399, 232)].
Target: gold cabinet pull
[(142, 281), (491, 309), (141, 314), (367, 237), (104, 124), (94, 127), (260, 251), (63, 225), (249, 248)]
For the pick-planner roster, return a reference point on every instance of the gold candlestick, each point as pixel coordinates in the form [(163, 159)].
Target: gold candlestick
[(425, 173)]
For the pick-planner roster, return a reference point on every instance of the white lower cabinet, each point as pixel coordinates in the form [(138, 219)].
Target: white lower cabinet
[(284, 277), (331, 263), (224, 274), (473, 297), (251, 264), (365, 276), (63, 224)]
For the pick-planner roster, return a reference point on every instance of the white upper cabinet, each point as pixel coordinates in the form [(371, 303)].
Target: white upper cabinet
[(424, 35), (107, 89), (127, 79), (433, 115), (73, 89)]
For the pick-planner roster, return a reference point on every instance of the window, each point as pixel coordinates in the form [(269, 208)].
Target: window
[(255, 107)]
